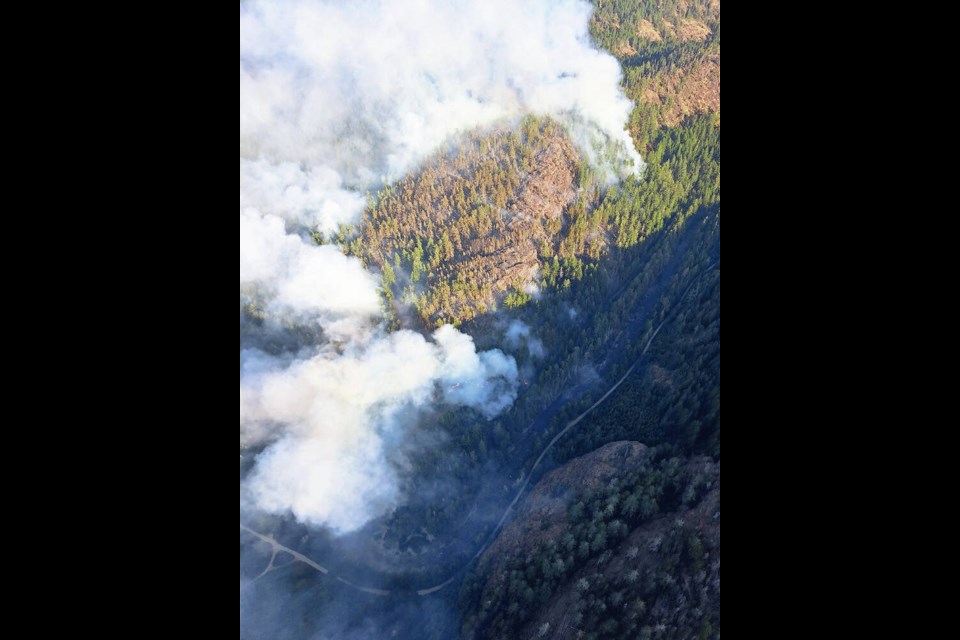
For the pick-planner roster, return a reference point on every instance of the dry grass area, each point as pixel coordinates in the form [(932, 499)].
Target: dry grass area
[(688, 91), (647, 31), (687, 29), (692, 30)]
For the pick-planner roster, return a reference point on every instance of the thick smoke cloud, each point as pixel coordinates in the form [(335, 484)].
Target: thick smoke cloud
[(518, 334), (367, 89), (335, 99), (338, 408), (303, 277)]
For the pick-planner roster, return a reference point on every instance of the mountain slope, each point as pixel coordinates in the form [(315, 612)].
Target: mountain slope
[(621, 542), (471, 230)]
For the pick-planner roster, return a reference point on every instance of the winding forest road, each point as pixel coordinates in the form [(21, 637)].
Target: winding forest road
[(569, 426), (299, 557), (277, 547)]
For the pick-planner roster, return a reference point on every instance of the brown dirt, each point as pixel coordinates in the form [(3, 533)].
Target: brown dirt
[(646, 30), (692, 30), (543, 197), (549, 189), (693, 90)]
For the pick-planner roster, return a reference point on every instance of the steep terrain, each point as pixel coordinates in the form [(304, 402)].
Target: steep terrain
[(616, 535), (542, 516), (618, 543), (662, 580), (685, 91), (670, 52), (471, 230)]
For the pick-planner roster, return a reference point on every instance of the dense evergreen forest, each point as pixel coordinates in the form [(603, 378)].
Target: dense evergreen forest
[(639, 595), (593, 316), (472, 228), (593, 272), (662, 265)]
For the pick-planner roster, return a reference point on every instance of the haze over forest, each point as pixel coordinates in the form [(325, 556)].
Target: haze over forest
[(480, 319)]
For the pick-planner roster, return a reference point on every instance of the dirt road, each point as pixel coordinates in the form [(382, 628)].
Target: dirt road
[(277, 547)]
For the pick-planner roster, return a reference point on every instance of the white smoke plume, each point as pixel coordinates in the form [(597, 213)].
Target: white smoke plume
[(359, 92), (328, 466), (335, 99), (519, 334)]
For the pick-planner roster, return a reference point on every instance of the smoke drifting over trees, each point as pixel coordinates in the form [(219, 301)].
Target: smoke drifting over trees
[(335, 99)]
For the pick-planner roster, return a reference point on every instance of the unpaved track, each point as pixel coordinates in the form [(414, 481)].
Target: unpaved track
[(277, 547), (422, 592)]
